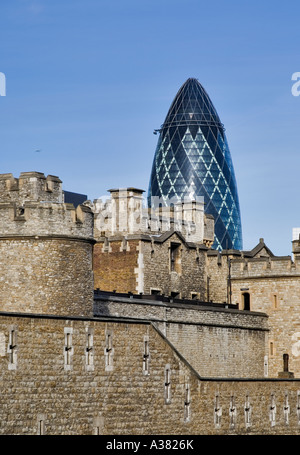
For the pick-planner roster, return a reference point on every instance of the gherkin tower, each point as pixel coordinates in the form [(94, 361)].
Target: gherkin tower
[(192, 156)]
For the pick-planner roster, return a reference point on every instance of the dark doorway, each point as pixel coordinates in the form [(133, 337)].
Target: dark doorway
[(246, 301)]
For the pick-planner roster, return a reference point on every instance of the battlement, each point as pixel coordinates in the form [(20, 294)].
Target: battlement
[(124, 213), (30, 186), (264, 267), (33, 205), (242, 265)]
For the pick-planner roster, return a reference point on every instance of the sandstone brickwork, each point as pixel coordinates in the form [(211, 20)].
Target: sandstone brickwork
[(115, 263), (142, 264), (273, 288), (271, 285), (216, 341), (52, 384), (199, 342), (135, 246)]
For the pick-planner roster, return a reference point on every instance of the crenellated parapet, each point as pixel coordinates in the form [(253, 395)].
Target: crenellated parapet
[(123, 213), (30, 186), (264, 267), (257, 263), (235, 268), (33, 205)]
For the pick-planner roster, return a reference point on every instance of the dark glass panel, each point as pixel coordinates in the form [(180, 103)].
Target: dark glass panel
[(219, 156), (194, 109), (194, 130)]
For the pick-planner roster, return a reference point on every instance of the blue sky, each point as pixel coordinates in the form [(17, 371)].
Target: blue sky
[(89, 80)]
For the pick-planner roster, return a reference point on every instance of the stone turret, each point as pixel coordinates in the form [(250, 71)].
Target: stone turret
[(123, 213), (45, 248), (30, 186)]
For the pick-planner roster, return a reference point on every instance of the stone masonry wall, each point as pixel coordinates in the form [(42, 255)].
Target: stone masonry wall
[(217, 274), (187, 281), (68, 376), (46, 275), (273, 286), (114, 265), (141, 264), (216, 342)]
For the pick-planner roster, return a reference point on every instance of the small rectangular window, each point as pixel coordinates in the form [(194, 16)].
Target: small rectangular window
[(175, 295), (271, 348), (275, 301), (175, 261), (98, 425), (155, 291), (19, 213)]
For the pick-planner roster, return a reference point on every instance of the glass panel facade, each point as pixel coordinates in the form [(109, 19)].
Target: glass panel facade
[(193, 157)]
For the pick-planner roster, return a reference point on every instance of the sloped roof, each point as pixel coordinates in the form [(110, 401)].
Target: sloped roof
[(255, 252)]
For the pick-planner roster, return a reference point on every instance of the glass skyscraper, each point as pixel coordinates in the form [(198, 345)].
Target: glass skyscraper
[(193, 157)]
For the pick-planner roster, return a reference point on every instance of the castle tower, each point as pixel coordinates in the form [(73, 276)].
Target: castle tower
[(46, 248), (122, 214), (191, 212), (127, 210)]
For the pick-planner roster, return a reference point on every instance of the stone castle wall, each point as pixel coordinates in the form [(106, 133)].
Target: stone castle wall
[(115, 261), (217, 342), (188, 278), (272, 284), (82, 371), (217, 276), (190, 370), (141, 263)]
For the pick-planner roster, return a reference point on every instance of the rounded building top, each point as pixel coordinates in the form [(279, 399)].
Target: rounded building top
[(192, 159), (192, 106)]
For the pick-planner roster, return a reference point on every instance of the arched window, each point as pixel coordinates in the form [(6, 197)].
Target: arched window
[(246, 301)]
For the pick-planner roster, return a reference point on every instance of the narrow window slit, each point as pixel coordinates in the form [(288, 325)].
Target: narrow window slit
[(217, 412), (146, 356), (247, 410), (168, 384), (89, 350), (108, 351), (187, 403), (232, 411), (272, 411), (12, 349), (68, 348)]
